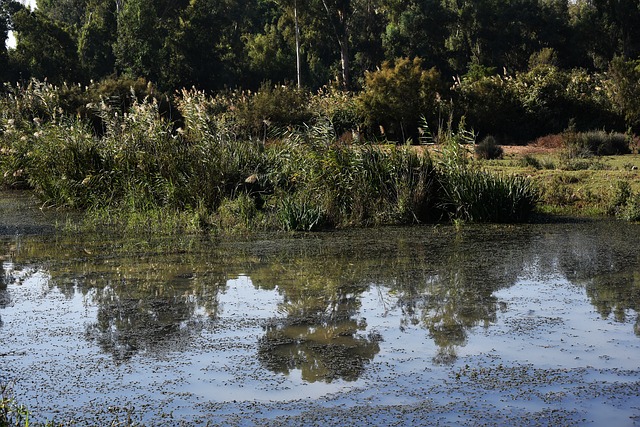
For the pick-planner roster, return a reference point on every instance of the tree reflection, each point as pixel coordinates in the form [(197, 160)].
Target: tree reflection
[(151, 297), (321, 334), (454, 293), (606, 262), (133, 318)]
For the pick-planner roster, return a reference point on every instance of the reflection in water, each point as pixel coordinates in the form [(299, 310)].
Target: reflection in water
[(156, 296), (321, 334)]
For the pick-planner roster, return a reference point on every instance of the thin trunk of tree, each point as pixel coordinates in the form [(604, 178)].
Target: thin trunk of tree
[(343, 41), (298, 71)]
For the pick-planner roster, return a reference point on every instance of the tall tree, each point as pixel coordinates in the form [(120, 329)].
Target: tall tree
[(622, 19), (96, 38), (273, 54), (5, 26), (69, 12), (207, 46), (45, 49), (139, 46), (339, 14), (499, 34), (418, 28)]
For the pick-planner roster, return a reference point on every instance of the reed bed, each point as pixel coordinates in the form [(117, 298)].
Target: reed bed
[(199, 170)]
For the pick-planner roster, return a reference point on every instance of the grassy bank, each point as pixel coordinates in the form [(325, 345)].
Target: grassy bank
[(283, 159), (588, 186), (211, 166)]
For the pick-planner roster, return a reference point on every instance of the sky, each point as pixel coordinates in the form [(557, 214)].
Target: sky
[(11, 41)]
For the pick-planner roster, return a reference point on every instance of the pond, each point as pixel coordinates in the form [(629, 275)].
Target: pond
[(431, 325)]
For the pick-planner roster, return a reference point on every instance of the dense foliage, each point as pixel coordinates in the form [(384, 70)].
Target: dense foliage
[(190, 105), (217, 170), (520, 68)]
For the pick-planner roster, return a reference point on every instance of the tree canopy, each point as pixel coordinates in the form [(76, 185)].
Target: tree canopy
[(513, 68), (212, 44)]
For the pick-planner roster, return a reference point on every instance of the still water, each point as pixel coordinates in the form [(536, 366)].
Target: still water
[(499, 325)]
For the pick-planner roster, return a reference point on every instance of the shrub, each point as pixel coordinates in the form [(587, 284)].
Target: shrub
[(491, 105), (396, 96), (488, 149), (271, 107), (625, 203), (622, 195), (598, 143), (529, 161), (631, 211), (340, 108)]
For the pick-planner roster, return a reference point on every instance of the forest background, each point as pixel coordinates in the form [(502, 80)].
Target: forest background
[(516, 69)]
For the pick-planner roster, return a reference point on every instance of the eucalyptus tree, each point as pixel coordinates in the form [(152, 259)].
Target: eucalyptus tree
[(207, 45), (621, 19), (96, 36), (5, 26), (70, 12), (418, 28), (140, 39), (275, 50), (503, 34)]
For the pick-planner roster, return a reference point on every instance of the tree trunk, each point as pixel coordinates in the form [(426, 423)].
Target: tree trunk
[(295, 17)]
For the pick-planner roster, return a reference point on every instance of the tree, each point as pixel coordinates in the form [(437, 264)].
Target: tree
[(206, 47), (624, 89), (69, 12), (139, 46), (44, 49), (96, 38), (397, 96), (622, 19), (504, 34), (418, 28)]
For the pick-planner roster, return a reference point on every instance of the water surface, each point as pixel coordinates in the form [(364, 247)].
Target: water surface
[(527, 325)]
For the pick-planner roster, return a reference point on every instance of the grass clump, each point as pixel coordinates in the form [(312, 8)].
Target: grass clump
[(595, 143), (479, 196), (488, 149), (11, 413)]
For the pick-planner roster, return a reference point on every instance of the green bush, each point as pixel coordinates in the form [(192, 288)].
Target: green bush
[(594, 143), (631, 211), (340, 108), (397, 96), (490, 104), (488, 149), (529, 161), (272, 107)]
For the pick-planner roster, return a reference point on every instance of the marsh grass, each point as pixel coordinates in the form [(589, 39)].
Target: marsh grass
[(479, 196), (143, 172), (595, 143), (11, 413)]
